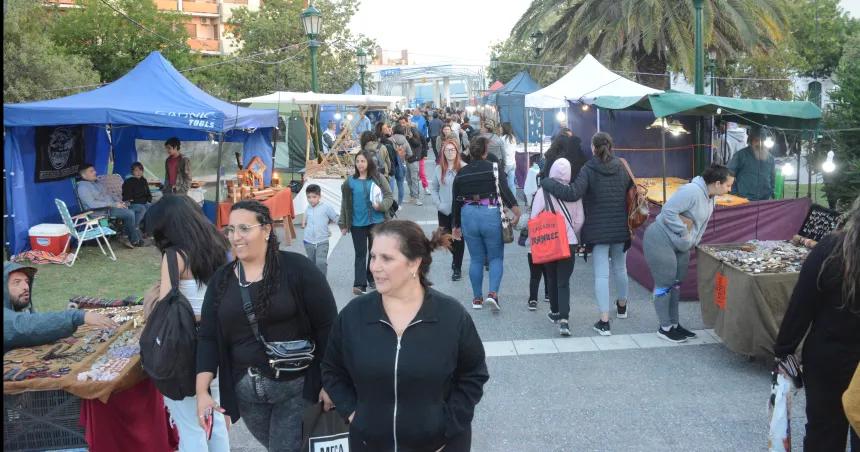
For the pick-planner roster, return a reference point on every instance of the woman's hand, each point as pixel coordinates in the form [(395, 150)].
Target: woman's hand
[(204, 403), (457, 233), (344, 231), (328, 405), (377, 207), (517, 214)]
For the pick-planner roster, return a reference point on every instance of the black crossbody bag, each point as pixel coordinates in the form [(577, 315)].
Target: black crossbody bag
[(284, 356)]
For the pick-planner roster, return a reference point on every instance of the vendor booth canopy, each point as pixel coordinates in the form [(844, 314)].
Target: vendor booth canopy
[(151, 102), (311, 98), (587, 80), (773, 113), (510, 103)]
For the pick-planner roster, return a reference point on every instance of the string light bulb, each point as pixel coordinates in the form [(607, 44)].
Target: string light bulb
[(337, 116), (768, 142), (787, 169), (349, 117), (585, 107), (719, 111), (828, 166), (561, 116)]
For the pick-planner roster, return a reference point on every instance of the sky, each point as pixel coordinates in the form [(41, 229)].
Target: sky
[(460, 31)]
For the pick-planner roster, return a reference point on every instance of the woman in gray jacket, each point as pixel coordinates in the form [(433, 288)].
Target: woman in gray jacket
[(678, 228), (441, 190)]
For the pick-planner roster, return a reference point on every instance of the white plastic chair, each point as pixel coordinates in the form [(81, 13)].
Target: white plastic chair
[(83, 227)]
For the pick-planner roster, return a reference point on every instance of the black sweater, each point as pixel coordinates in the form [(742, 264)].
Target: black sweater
[(428, 389), (834, 331), (476, 178), (224, 329), (136, 190)]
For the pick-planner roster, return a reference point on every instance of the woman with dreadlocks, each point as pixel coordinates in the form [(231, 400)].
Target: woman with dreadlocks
[(288, 299), (826, 302)]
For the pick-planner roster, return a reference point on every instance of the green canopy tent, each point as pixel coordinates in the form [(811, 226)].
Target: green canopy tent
[(777, 114)]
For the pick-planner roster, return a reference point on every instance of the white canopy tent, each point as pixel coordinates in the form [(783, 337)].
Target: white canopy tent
[(586, 81), (311, 98)]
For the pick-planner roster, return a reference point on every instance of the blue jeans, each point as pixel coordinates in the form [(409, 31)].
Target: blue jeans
[(512, 181), (482, 230), (602, 255), (399, 172), (139, 211), (130, 220)]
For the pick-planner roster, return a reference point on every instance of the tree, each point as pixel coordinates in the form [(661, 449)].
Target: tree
[(819, 29), (274, 53), (112, 42), (34, 68), (650, 35), (759, 74), (844, 117)]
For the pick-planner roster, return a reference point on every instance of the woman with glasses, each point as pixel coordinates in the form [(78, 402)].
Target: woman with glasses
[(176, 223), (479, 191), (405, 365), (441, 189), (291, 301), (358, 214)]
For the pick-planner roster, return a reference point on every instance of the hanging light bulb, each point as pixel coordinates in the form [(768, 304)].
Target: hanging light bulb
[(787, 169), (768, 142), (585, 107), (337, 116), (349, 116), (719, 111), (212, 139), (828, 166), (532, 122), (561, 116)]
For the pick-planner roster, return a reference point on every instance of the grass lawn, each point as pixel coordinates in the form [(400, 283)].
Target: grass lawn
[(95, 275), (817, 192)]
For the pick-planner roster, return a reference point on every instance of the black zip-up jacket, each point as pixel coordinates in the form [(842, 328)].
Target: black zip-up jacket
[(426, 384), (476, 178), (136, 190), (303, 282)]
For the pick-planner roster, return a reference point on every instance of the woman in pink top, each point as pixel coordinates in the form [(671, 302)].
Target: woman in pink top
[(558, 272)]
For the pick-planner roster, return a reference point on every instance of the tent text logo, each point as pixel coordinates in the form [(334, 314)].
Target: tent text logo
[(201, 119)]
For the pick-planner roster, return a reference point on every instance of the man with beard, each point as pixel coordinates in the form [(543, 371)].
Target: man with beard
[(23, 327), (754, 169)]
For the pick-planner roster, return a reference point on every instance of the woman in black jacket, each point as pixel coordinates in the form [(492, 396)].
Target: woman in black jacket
[(827, 298), (292, 301), (405, 365), (602, 185)]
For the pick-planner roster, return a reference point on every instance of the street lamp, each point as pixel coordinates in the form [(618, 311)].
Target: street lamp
[(712, 65), (312, 22), (361, 55), (494, 62), (537, 42)]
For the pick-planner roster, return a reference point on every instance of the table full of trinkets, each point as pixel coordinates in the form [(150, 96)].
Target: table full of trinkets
[(91, 364), (745, 289)]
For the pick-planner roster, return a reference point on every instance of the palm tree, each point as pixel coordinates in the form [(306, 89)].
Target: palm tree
[(650, 35)]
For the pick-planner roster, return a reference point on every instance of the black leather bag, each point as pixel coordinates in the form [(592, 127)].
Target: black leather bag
[(284, 356)]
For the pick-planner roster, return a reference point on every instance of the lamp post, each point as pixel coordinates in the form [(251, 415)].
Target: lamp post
[(311, 21), (361, 56), (537, 42), (712, 66)]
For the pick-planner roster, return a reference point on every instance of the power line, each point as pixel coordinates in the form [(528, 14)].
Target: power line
[(140, 25)]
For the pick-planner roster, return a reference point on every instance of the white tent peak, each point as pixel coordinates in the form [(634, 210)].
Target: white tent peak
[(587, 80), (311, 98)]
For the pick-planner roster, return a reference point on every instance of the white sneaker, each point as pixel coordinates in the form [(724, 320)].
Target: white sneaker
[(427, 191), (418, 202)]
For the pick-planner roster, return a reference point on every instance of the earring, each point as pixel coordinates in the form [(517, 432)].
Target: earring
[(413, 275)]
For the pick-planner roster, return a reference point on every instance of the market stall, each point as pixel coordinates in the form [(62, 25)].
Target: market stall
[(745, 290), (47, 141), (95, 371), (279, 200)]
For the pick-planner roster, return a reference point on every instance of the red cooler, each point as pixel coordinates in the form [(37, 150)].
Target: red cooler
[(49, 237)]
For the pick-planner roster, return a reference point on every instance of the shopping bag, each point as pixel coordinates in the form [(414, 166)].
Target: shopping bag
[(548, 234), (779, 409), (324, 431)]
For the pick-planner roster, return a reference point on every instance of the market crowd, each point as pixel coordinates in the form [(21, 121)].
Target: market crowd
[(402, 364)]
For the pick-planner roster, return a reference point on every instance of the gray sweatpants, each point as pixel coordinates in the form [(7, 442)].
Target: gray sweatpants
[(668, 268), (318, 254), (412, 179)]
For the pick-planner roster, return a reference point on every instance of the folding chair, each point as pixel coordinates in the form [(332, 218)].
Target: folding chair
[(83, 227), (111, 186)]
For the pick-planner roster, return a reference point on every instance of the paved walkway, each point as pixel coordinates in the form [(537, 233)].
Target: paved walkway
[(627, 392)]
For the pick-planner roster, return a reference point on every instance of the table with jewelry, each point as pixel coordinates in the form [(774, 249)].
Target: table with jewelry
[(93, 363), (745, 289)]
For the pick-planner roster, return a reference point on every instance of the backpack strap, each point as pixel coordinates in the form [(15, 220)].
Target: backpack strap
[(247, 306)]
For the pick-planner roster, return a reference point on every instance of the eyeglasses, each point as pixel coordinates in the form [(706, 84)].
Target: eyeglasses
[(241, 230)]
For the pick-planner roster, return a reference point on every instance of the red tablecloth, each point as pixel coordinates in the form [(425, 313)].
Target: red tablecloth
[(280, 205), (762, 220), (133, 419)]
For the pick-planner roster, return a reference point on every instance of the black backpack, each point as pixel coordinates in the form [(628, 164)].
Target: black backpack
[(168, 343)]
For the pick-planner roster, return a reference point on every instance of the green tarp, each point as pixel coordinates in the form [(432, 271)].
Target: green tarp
[(802, 115)]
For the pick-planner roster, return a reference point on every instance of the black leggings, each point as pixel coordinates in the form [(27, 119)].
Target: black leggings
[(827, 371), (558, 280), (362, 241), (458, 247), (535, 273)]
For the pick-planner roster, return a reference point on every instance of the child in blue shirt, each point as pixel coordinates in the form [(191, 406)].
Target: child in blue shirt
[(315, 223)]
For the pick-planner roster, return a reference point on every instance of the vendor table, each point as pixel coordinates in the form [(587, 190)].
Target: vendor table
[(126, 409), (762, 220), (743, 308), (280, 205), (655, 191)]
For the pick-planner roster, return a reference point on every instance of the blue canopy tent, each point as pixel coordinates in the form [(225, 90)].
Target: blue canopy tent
[(152, 101), (510, 103)]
